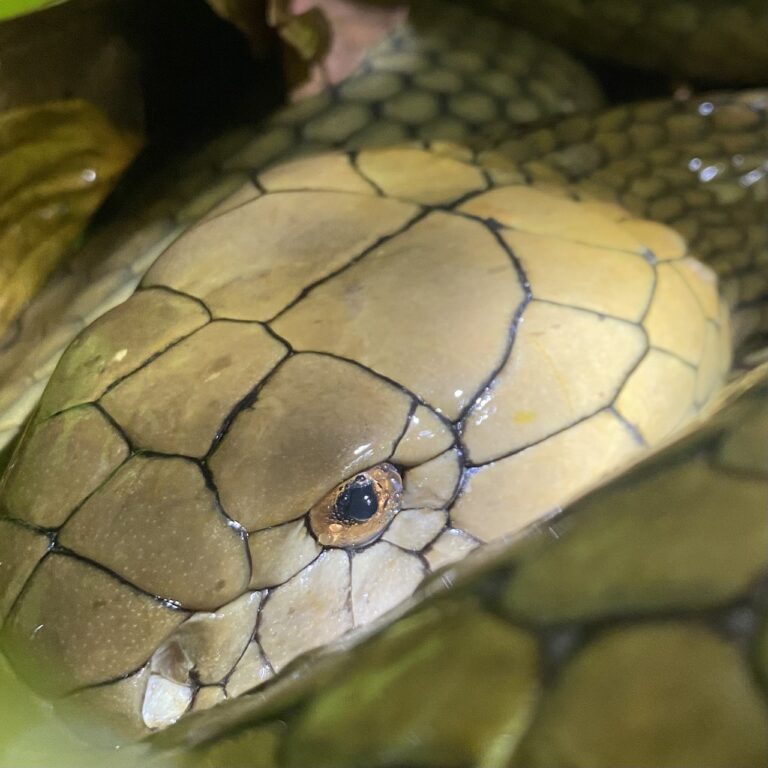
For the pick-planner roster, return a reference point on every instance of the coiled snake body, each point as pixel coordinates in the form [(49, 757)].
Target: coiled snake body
[(348, 370)]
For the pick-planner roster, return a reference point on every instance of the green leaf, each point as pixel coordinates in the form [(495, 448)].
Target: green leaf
[(11, 8), (58, 161)]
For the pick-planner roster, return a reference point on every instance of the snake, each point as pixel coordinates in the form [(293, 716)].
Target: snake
[(377, 344)]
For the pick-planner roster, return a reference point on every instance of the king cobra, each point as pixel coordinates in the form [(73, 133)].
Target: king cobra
[(407, 321)]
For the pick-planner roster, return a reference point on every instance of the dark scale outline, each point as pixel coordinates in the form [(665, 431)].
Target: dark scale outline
[(252, 638), (596, 313), (53, 531), (196, 691), (668, 353), (461, 465), (607, 407), (353, 158), (120, 433), (209, 480), (31, 527), (304, 521), (170, 605), (628, 425), (106, 683), (50, 537), (399, 439), (222, 682), (385, 531), (244, 403), (449, 427), (422, 212), (517, 312), (208, 484), (149, 359), (349, 601), (287, 353), (252, 397), (271, 591)]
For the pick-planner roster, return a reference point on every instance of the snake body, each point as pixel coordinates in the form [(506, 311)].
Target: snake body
[(492, 323)]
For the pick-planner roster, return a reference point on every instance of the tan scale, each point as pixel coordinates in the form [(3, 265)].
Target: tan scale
[(64, 459), (346, 406), (433, 483), (225, 359), (208, 696), (669, 320), (83, 625), (588, 277), (401, 336), (410, 174), (658, 395), (414, 529), (545, 213), (155, 523), (308, 611), (382, 577), (713, 365), (108, 711), (505, 496), (449, 547), (337, 173), (261, 264), (425, 437), (369, 311), (251, 670), (214, 642), (118, 343), (20, 550), (280, 552), (566, 364)]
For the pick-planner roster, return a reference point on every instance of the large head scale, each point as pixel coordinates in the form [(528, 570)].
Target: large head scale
[(330, 387)]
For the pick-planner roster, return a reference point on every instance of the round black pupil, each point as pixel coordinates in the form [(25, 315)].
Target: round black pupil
[(357, 502)]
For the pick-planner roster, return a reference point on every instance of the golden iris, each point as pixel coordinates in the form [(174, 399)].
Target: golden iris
[(358, 510)]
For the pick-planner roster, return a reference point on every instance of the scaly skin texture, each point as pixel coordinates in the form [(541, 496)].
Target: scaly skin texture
[(628, 631), (555, 338), (505, 321), (413, 86)]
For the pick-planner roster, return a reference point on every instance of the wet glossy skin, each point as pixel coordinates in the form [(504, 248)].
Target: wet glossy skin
[(445, 62), (196, 490), (477, 320)]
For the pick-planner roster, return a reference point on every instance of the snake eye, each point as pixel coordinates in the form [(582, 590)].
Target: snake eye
[(357, 510)]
